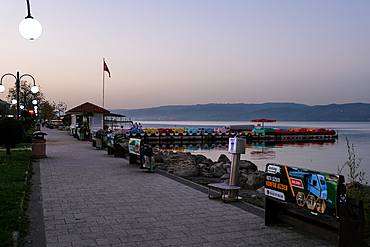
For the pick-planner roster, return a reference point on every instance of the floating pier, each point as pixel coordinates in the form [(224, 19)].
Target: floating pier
[(223, 137)]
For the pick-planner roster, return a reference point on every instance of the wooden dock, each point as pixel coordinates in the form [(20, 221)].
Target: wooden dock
[(215, 137)]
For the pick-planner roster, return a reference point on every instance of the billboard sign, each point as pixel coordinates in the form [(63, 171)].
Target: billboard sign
[(134, 146), (312, 190)]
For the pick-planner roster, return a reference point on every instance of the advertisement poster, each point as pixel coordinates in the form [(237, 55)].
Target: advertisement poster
[(312, 190), (134, 146)]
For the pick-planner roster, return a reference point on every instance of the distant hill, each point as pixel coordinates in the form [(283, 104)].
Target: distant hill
[(241, 112)]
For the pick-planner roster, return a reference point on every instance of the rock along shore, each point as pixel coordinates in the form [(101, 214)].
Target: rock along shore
[(203, 170)]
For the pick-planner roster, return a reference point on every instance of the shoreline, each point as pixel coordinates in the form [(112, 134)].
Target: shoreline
[(202, 170)]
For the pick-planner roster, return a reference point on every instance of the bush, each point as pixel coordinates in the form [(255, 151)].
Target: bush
[(28, 138), (355, 186), (11, 133)]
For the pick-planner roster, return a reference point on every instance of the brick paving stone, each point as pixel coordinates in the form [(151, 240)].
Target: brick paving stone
[(150, 243), (108, 241), (91, 198), (84, 243), (171, 242)]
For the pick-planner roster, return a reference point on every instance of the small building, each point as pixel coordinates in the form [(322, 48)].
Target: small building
[(96, 122)]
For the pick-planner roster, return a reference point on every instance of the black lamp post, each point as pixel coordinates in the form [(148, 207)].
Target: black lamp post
[(34, 88)]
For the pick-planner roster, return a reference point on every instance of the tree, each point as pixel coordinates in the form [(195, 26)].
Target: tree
[(87, 115), (11, 133), (25, 95), (60, 107), (46, 110)]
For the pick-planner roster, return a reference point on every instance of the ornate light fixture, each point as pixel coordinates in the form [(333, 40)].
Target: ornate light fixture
[(30, 28), (34, 88)]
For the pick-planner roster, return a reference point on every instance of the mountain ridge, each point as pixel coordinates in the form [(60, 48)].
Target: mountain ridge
[(241, 111)]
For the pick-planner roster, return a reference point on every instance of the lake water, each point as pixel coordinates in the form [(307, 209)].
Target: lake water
[(325, 156)]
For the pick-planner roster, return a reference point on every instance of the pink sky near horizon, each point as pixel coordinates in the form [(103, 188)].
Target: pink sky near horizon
[(191, 52)]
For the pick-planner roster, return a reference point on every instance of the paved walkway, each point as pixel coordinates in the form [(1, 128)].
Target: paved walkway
[(92, 199)]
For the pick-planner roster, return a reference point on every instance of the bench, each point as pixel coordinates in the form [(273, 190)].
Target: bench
[(222, 187), (313, 201)]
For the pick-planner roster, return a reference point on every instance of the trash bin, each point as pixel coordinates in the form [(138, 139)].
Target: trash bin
[(93, 138), (120, 143), (110, 143), (100, 135), (74, 132), (39, 145), (38, 127), (148, 158), (82, 132)]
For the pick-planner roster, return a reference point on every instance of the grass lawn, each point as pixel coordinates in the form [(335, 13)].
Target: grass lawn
[(14, 191)]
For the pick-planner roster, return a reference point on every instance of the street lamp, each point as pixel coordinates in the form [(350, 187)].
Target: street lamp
[(34, 88), (34, 102), (30, 28)]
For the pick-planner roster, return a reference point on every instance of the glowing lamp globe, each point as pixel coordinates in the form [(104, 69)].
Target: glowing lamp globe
[(2, 88), (34, 102), (14, 101), (30, 28), (22, 107), (34, 89)]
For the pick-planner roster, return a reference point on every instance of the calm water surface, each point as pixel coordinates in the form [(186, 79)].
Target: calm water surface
[(315, 156)]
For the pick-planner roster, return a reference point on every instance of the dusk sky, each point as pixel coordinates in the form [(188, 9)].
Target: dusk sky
[(191, 52)]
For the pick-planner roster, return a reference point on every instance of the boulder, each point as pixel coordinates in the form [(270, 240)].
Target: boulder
[(255, 180), (259, 181), (243, 171), (217, 173), (208, 162), (242, 178), (158, 159), (205, 174), (203, 167), (183, 164), (226, 166), (187, 173), (218, 166), (223, 159), (246, 164), (250, 179), (199, 158), (261, 190)]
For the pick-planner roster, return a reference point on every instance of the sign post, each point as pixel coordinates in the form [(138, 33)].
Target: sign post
[(236, 147), (134, 148)]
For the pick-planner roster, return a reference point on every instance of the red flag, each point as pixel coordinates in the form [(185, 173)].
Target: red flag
[(106, 68)]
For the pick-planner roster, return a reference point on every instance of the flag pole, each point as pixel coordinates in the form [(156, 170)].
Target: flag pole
[(103, 80)]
